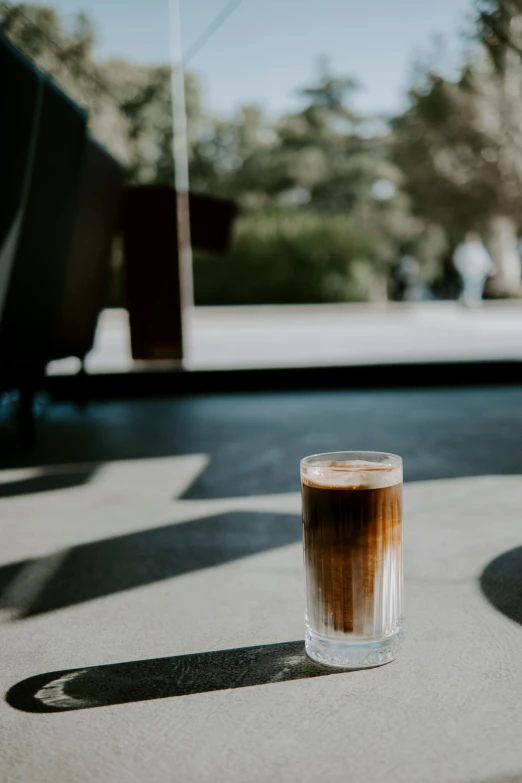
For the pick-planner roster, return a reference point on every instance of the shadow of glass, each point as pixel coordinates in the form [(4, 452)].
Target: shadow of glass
[(501, 583), (8, 573), (115, 564), (48, 482), (161, 678)]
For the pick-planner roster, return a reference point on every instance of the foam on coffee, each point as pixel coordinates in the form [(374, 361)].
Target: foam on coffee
[(351, 474)]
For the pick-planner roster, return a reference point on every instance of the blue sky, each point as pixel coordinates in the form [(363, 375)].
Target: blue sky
[(268, 48)]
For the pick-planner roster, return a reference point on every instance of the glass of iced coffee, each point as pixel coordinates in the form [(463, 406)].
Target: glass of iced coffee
[(352, 539)]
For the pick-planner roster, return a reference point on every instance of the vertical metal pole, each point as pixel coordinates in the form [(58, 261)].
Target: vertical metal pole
[(180, 156)]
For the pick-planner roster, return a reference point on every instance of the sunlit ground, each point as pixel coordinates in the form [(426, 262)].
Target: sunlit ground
[(241, 337)]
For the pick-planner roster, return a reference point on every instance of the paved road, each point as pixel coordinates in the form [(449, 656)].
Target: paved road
[(323, 335)]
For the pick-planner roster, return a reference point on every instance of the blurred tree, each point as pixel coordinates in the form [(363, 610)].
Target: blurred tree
[(235, 158), (319, 192), (64, 51), (129, 105), (324, 150), (460, 142)]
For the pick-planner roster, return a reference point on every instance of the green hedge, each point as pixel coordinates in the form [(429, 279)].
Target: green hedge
[(295, 257)]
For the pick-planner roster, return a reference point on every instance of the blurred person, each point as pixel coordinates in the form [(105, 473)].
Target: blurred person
[(410, 287), (474, 265)]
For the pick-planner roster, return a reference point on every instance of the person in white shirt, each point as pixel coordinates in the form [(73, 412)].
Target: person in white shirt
[(473, 263)]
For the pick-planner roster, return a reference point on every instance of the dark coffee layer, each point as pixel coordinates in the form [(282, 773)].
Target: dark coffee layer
[(353, 558)]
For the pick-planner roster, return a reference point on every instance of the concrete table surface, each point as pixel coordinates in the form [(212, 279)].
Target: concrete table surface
[(113, 575)]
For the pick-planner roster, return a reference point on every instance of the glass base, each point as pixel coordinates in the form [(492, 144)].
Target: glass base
[(352, 655)]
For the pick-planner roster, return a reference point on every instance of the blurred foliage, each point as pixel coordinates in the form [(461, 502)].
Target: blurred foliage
[(329, 199), (295, 257), (313, 228), (459, 144), (129, 105)]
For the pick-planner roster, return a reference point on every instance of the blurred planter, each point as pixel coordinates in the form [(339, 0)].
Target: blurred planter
[(151, 261)]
